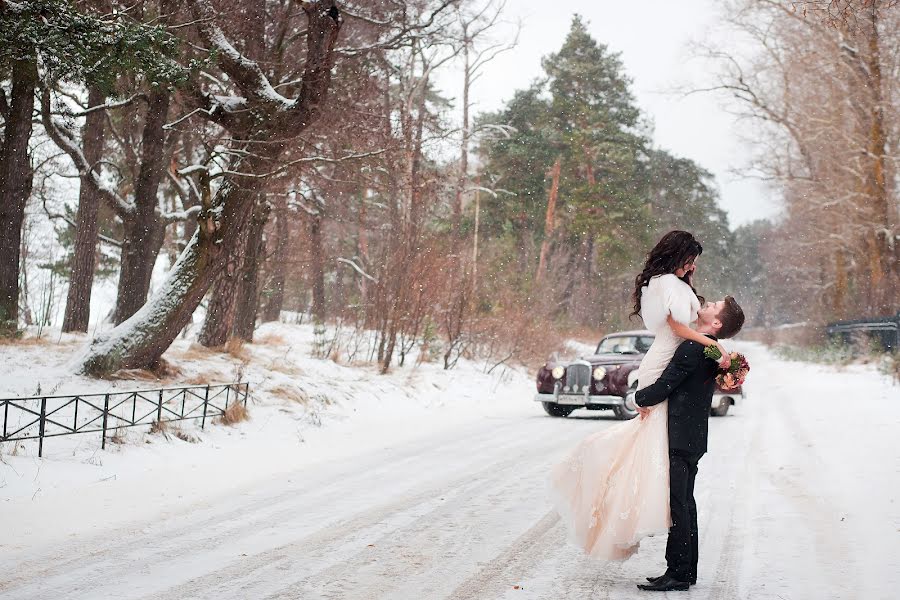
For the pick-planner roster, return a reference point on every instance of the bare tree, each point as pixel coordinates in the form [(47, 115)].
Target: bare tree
[(476, 51), (827, 118)]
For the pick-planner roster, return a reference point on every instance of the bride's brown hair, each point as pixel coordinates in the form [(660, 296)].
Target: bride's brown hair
[(672, 251)]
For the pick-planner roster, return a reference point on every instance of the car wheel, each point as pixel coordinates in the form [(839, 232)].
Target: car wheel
[(555, 410), (628, 410), (721, 410)]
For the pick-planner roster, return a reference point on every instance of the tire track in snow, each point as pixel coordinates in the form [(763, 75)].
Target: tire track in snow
[(134, 547), (179, 550), (526, 551)]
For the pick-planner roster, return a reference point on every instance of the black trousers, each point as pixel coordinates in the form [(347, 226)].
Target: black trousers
[(681, 549)]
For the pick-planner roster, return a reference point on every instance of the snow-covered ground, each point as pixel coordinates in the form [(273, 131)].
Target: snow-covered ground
[(428, 484)]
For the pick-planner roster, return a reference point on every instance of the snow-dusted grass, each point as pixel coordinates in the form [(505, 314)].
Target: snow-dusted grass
[(302, 410)]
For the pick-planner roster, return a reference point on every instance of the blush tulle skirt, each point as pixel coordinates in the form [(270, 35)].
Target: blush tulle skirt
[(613, 488)]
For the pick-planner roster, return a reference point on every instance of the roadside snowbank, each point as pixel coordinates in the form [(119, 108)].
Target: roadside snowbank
[(302, 411)]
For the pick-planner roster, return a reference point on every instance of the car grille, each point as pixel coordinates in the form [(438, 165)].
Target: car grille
[(578, 378)]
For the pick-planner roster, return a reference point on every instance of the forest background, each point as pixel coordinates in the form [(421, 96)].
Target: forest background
[(284, 159)]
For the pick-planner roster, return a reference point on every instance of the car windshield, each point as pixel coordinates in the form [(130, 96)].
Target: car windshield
[(625, 344)]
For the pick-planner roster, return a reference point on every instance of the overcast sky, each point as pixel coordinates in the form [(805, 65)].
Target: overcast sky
[(653, 38)]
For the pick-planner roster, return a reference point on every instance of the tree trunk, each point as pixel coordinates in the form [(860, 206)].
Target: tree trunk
[(140, 341), (882, 254), (570, 277), (189, 226), (840, 285), (317, 262), (78, 299), (142, 242), (248, 288), (464, 145), (549, 221), (15, 187), (362, 249), (278, 262), (223, 298)]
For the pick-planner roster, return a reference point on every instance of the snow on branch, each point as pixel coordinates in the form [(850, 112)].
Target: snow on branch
[(190, 169), (244, 71), (357, 268), (109, 105), (65, 139), (286, 116), (183, 215)]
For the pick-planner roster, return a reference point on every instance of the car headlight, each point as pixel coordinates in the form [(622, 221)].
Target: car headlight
[(558, 372), (599, 373)]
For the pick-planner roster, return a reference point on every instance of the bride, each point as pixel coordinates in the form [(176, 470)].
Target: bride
[(613, 489)]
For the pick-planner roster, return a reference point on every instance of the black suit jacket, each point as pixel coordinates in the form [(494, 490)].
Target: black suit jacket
[(689, 383)]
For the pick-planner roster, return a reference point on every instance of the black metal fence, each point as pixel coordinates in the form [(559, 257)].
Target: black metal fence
[(40, 417), (884, 331)]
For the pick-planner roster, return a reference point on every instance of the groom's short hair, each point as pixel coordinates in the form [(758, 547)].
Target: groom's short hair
[(732, 318)]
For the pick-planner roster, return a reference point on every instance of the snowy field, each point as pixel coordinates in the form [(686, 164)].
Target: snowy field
[(428, 484)]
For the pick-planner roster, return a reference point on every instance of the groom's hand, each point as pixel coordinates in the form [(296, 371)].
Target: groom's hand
[(644, 412)]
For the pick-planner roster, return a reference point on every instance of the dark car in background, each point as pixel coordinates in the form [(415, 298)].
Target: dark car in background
[(602, 380)]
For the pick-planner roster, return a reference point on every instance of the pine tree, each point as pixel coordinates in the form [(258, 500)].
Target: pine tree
[(581, 115), (42, 43)]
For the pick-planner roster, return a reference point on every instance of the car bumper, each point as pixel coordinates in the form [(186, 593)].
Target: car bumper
[(580, 399), (718, 399)]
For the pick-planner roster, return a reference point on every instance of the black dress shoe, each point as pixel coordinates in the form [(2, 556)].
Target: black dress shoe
[(693, 580), (665, 584)]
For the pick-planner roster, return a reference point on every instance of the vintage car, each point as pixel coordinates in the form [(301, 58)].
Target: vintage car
[(603, 380)]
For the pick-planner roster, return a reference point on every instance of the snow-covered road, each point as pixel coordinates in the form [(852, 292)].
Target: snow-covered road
[(796, 500)]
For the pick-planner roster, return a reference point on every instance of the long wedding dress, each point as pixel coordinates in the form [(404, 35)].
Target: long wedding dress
[(613, 489)]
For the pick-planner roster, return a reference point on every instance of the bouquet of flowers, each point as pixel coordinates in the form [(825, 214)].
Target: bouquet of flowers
[(732, 377)]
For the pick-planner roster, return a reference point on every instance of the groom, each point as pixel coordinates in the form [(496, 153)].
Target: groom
[(689, 383)]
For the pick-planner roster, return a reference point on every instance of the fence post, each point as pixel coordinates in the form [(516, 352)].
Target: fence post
[(159, 408), (41, 433), (105, 415), (5, 416), (205, 404)]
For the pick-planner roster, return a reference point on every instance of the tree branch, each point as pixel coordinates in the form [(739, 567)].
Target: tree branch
[(183, 215), (63, 138), (109, 105), (357, 268), (70, 222), (245, 72)]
